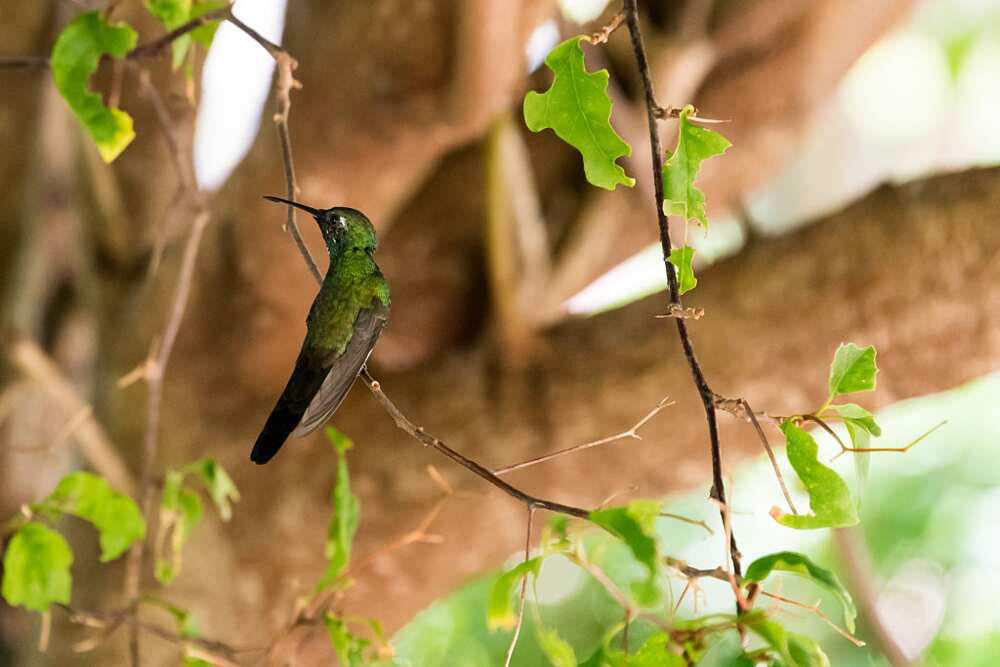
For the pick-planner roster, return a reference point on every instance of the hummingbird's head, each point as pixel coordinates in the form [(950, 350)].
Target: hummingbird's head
[(342, 227)]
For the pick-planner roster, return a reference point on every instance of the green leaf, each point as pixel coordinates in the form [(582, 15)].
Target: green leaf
[(219, 484), (775, 636), (860, 427), (796, 563), (853, 369), (115, 515), (36, 568), (806, 652), (578, 109), (346, 514), (694, 145), (350, 648), (857, 415), (180, 513), (556, 649), (75, 56), (500, 612), (681, 258), (655, 653), (204, 34), (635, 524), (829, 497), (726, 652), (187, 622)]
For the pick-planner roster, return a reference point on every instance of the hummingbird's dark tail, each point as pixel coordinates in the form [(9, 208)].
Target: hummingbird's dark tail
[(301, 388)]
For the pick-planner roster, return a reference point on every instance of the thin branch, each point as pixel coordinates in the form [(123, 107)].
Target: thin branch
[(630, 433), (602, 35), (159, 46), (95, 446), (814, 608), (718, 492), (524, 590)]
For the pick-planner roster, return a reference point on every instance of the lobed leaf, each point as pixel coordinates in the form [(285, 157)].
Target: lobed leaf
[(694, 145), (829, 497), (346, 514), (635, 524), (500, 611), (853, 369), (36, 568), (681, 258), (796, 563), (577, 108), (75, 57), (115, 516)]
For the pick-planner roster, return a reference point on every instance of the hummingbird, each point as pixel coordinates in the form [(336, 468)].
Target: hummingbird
[(344, 323)]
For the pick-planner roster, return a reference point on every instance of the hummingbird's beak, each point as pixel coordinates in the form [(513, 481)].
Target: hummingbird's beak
[(308, 209)]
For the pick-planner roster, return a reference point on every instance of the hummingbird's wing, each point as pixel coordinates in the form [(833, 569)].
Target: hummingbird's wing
[(344, 368)]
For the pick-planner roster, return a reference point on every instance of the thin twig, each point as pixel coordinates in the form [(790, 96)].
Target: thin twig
[(718, 492), (524, 590), (814, 608), (602, 35), (629, 433)]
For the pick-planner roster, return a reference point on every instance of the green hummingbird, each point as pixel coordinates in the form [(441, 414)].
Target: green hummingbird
[(344, 323)]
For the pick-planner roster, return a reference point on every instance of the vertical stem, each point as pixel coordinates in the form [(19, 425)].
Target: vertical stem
[(707, 398)]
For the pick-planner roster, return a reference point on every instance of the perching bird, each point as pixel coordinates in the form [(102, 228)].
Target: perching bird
[(344, 323)]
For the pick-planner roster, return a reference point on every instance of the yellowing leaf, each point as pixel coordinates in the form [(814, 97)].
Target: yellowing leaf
[(578, 109), (75, 56), (694, 145)]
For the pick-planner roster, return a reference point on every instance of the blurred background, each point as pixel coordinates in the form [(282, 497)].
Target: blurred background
[(858, 203)]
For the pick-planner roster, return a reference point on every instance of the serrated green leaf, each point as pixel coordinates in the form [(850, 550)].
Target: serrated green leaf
[(694, 145), (806, 652), (635, 524), (350, 648), (219, 484), (681, 258), (577, 108), (829, 497), (555, 648), (89, 497), (180, 512), (75, 56), (796, 563), (36, 568), (853, 369), (346, 514), (655, 653), (500, 612)]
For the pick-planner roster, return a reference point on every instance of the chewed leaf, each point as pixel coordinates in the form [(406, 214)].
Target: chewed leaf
[(36, 568), (796, 563), (578, 109), (681, 259), (829, 497), (75, 56), (635, 524), (694, 145), (115, 515), (853, 369)]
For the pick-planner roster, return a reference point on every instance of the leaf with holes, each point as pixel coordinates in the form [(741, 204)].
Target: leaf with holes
[(36, 568), (829, 497), (796, 563), (681, 259), (75, 57), (577, 108), (694, 145), (115, 516)]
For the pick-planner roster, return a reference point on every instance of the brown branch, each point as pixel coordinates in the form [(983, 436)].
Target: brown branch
[(524, 590), (814, 608), (630, 433), (602, 35), (718, 491), (95, 446), (159, 46)]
